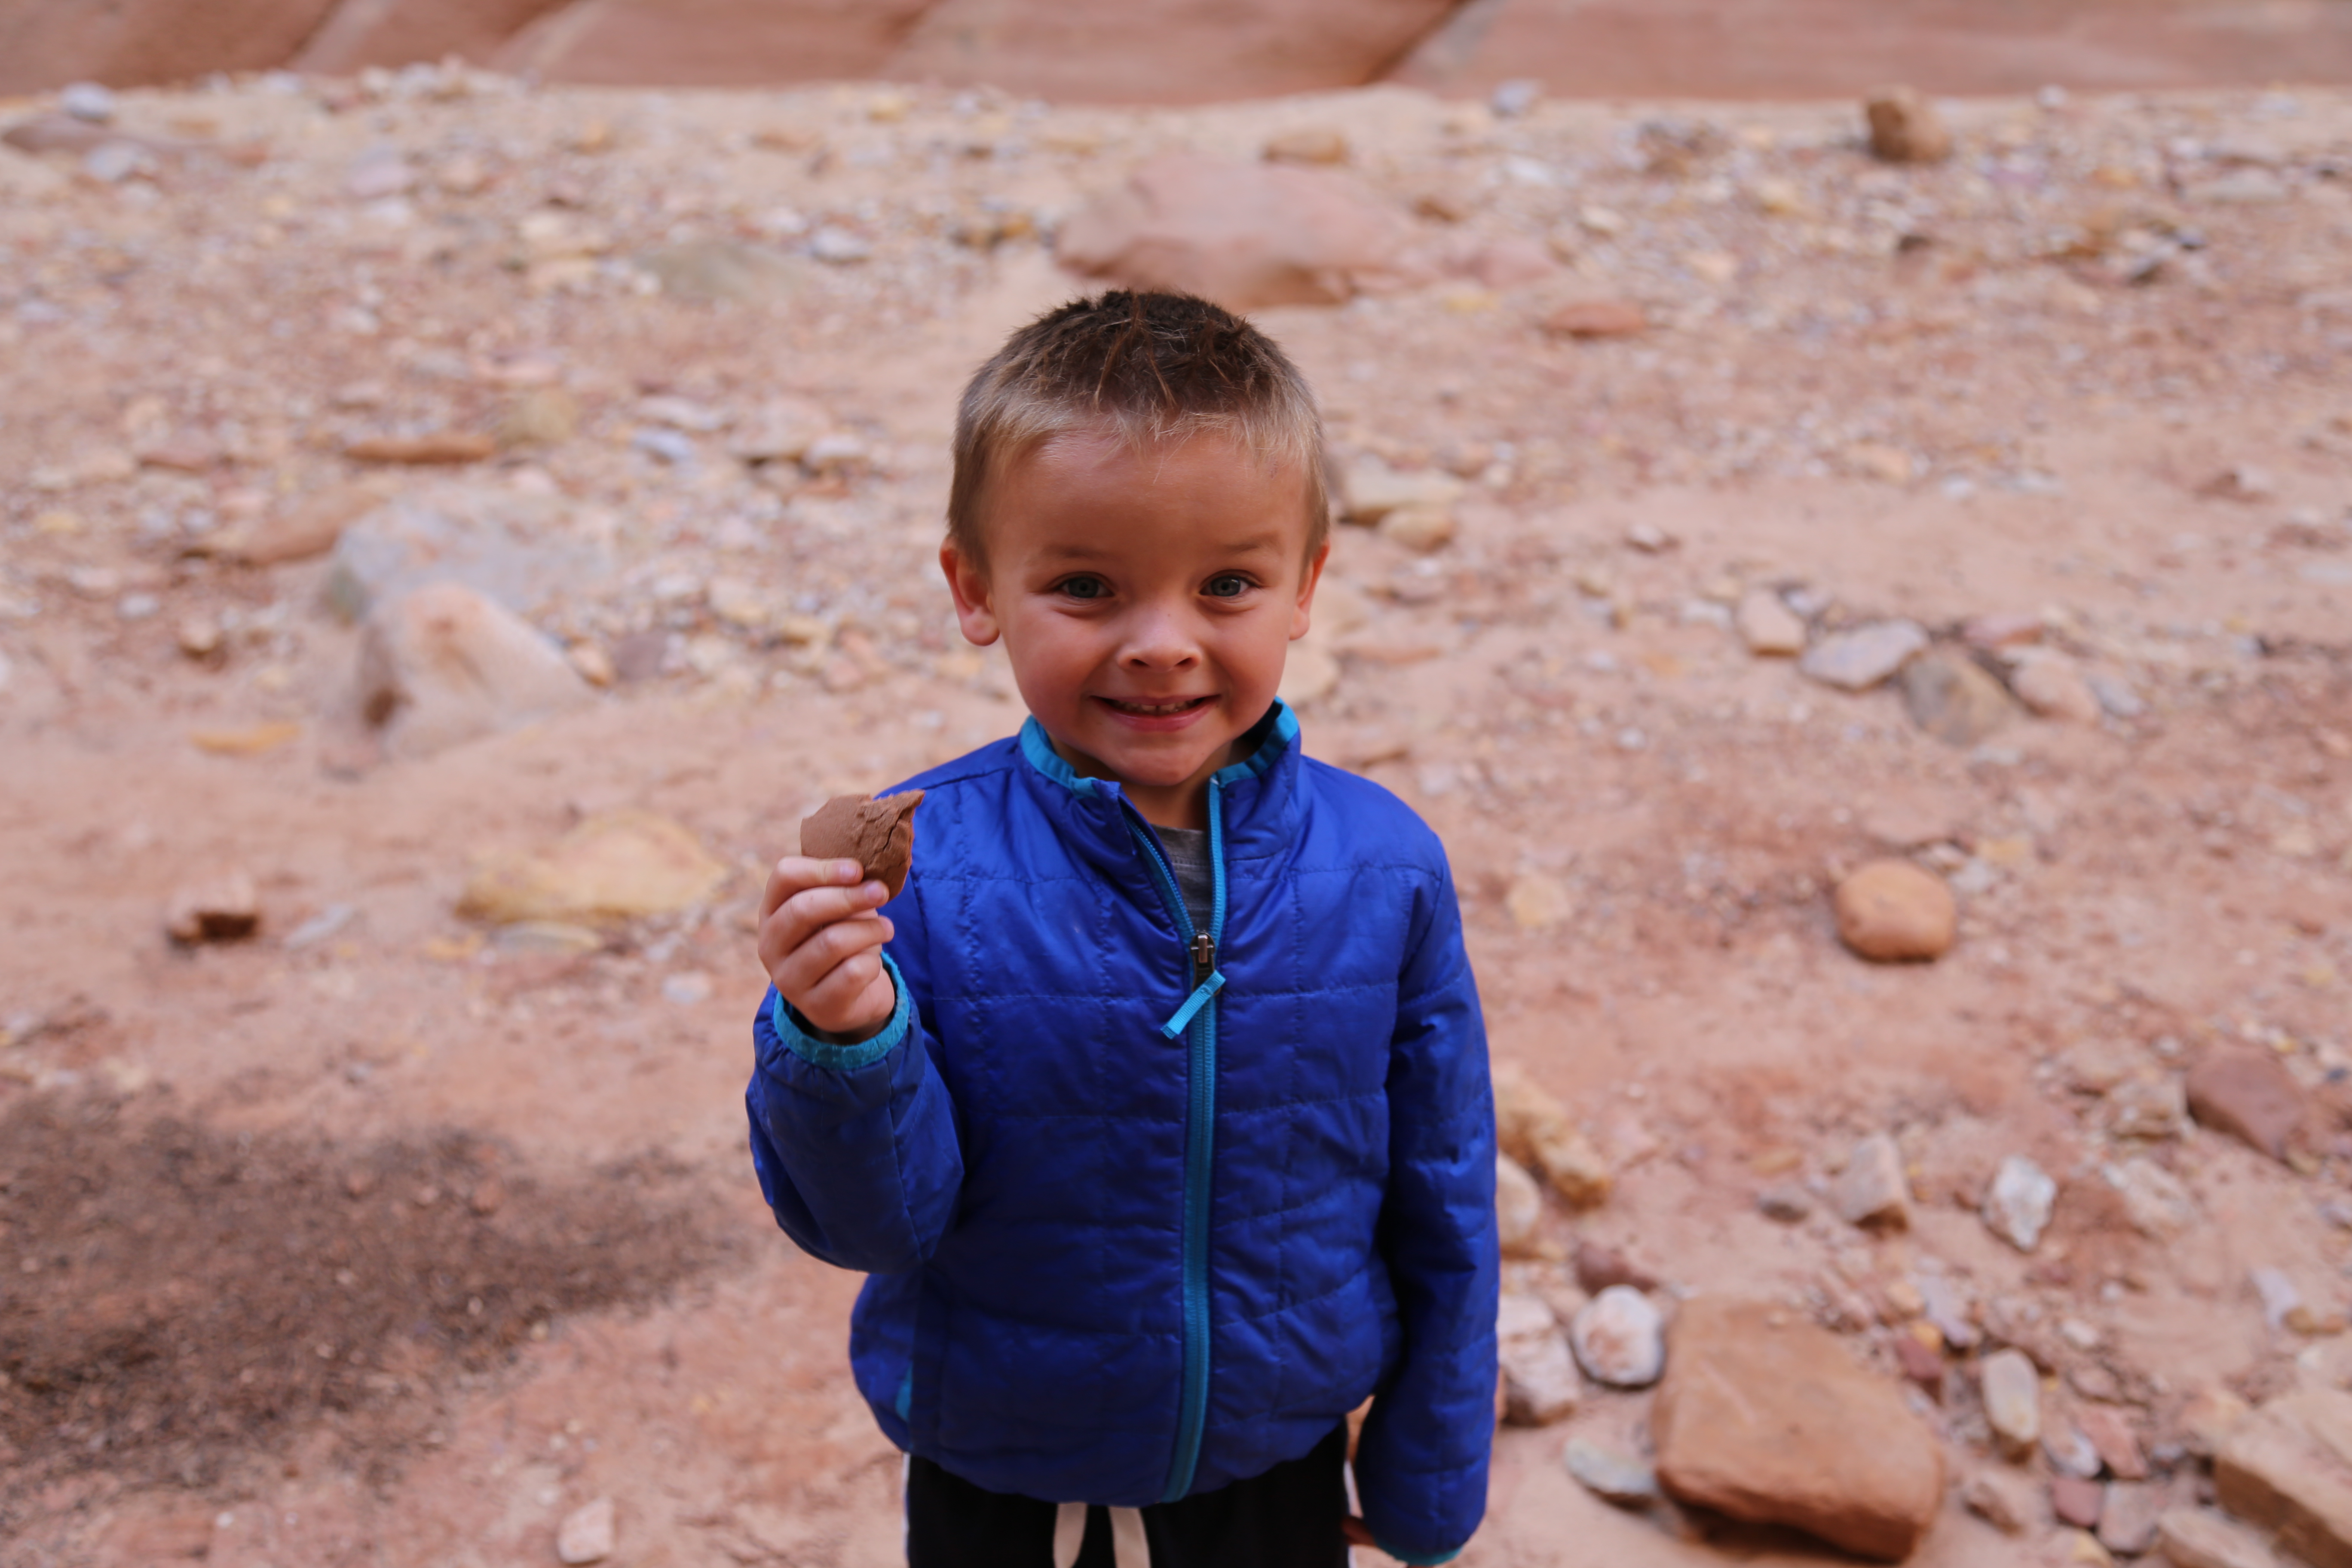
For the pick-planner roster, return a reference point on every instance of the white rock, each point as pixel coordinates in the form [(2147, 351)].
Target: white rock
[(1620, 1338), (1539, 1381), (586, 1534), (88, 100), (2017, 1205), (839, 246), (1871, 1189), (1858, 659)]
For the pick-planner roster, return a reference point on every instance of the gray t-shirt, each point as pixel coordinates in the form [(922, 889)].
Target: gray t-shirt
[(1196, 874)]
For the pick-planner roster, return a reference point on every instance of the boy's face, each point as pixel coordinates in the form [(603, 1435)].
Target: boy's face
[(1146, 598)]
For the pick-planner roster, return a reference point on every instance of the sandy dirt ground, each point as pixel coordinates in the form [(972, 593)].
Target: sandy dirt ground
[(388, 1238)]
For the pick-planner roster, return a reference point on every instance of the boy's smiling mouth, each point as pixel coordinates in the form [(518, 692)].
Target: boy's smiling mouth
[(1169, 708)]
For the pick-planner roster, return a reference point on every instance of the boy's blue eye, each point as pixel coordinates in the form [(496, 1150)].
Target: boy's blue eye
[(1085, 587), (1229, 585)]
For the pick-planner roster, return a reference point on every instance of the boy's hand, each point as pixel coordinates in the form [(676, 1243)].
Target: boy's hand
[(821, 944)]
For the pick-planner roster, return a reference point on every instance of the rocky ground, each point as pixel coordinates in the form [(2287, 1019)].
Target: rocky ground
[(1743, 513)]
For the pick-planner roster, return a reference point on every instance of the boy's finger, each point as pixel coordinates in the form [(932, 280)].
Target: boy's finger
[(810, 910), (837, 997), (801, 968), (798, 873)]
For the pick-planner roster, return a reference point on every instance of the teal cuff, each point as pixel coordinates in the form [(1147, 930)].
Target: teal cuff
[(844, 1059)]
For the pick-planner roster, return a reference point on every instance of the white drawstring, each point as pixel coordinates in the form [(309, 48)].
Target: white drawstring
[(1128, 1547)]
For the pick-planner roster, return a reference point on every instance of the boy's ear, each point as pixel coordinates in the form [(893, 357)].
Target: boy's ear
[(1300, 616), (968, 586)]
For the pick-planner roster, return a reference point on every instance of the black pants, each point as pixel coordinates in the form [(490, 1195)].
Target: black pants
[(1288, 1518)]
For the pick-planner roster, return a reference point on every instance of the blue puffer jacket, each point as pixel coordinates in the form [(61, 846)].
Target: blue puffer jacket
[(1148, 1211)]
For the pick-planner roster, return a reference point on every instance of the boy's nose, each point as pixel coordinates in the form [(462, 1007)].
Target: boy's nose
[(1159, 639)]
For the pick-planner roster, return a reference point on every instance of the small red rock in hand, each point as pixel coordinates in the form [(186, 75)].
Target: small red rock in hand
[(821, 944)]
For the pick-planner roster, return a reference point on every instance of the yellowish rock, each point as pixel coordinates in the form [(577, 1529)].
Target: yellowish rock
[(1538, 903), (616, 867)]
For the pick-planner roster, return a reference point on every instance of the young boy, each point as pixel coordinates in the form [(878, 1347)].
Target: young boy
[(1156, 1105)]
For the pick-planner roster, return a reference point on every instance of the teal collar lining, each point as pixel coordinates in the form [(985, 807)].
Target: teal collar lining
[(1281, 727)]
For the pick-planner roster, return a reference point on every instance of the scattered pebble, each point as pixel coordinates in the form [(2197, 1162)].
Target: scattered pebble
[(1866, 657), (1905, 129), (2017, 1206), (1871, 1189), (1891, 911), (221, 906), (1767, 624), (2012, 1401), (1611, 1473)]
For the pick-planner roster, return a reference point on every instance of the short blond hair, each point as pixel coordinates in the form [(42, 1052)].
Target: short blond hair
[(1152, 367)]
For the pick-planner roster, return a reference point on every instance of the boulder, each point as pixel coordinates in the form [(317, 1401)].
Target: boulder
[(444, 665), (616, 867), (1244, 235), (1892, 912), (516, 549), (2288, 1467), (1765, 1418)]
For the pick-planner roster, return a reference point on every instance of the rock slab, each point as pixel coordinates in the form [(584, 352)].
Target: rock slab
[(2200, 1538), (1533, 1128), (1891, 911), (1518, 1208), (2288, 1467), (1766, 1417), (878, 833)]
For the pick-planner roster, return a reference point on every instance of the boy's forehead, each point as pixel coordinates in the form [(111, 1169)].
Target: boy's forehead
[(1094, 492)]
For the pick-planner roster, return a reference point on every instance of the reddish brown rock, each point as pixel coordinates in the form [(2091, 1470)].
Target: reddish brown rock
[(2249, 1095), (1244, 235), (1766, 1417), (442, 446), (1598, 319), (1894, 912), (876, 833), (221, 906), (1905, 129), (2076, 1501)]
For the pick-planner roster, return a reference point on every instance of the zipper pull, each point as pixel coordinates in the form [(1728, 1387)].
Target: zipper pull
[(1204, 957)]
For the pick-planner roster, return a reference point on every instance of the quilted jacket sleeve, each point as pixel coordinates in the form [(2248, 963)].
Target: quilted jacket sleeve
[(855, 1146), (1420, 1466)]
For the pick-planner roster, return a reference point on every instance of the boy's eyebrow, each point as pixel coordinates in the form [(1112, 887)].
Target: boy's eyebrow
[(1079, 549)]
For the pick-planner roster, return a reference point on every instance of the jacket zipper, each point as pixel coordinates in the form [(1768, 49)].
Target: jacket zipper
[(1196, 1022)]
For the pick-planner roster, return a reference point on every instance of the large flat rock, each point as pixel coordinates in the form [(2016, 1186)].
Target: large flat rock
[(1766, 1417), (2288, 1466)]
